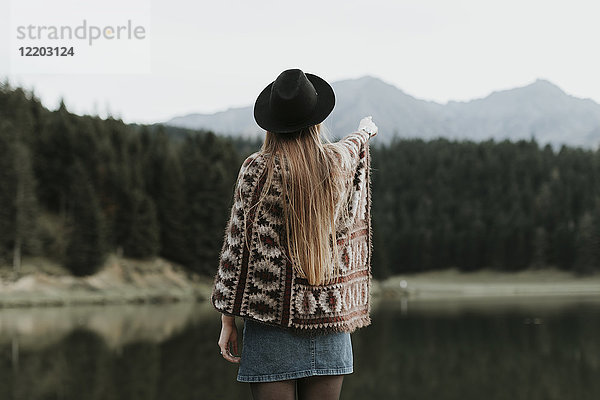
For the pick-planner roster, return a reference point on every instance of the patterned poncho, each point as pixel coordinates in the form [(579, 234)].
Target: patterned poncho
[(255, 278)]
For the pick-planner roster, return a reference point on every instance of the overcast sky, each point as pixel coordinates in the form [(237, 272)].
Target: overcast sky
[(207, 56)]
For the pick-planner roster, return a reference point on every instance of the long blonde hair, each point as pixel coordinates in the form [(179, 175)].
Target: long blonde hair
[(312, 183)]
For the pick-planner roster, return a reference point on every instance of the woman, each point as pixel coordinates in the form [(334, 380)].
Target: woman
[(300, 292)]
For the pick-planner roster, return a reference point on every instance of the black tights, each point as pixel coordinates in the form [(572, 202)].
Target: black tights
[(325, 387)]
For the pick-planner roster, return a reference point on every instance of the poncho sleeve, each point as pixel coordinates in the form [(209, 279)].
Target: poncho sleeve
[(355, 166), (228, 271), (356, 144)]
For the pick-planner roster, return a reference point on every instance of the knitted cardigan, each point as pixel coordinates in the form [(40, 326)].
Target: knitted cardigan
[(255, 278)]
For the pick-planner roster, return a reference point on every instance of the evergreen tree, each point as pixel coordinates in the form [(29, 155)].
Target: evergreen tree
[(540, 248), (110, 182), (54, 157), (142, 240), (587, 258), (7, 194), (17, 201), (26, 208), (211, 167), (165, 184), (86, 246)]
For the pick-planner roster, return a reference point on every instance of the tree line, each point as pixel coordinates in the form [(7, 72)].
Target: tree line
[(470, 205), (74, 188)]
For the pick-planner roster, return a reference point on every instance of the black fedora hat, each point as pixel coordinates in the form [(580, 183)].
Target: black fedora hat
[(293, 101)]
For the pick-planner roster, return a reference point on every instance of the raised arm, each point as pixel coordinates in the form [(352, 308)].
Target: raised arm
[(354, 143), (355, 140)]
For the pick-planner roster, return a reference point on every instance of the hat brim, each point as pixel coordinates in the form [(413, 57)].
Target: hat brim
[(265, 118)]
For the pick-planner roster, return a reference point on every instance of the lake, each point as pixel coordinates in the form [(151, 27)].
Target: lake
[(527, 348)]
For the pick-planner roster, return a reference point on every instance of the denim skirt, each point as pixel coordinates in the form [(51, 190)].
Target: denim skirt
[(271, 353)]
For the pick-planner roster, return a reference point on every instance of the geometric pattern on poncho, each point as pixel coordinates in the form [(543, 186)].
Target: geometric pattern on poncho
[(255, 278)]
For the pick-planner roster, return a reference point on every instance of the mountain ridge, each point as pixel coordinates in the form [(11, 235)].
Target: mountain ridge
[(540, 109)]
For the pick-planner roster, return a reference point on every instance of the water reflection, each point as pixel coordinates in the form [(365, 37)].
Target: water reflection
[(497, 349), (526, 349), (118, 325)]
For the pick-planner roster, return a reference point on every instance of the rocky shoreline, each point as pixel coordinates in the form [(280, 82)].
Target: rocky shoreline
[(119, 281), (127, 281)]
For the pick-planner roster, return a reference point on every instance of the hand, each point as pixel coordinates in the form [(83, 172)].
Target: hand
[(228, 339), (366, 124)]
